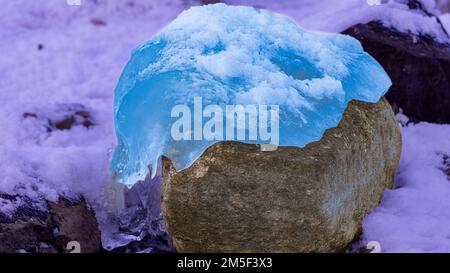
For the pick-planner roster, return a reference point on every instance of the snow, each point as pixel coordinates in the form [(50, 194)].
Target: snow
[(337, 16), (445, 20), (402, 118), (78, 65), (55, 57), (415, 216), (235, 55)]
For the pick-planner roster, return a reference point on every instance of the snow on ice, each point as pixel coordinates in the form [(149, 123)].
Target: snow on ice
[(234, 55)]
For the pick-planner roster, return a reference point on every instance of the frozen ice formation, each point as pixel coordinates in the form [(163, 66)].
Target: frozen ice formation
[(234, 55)]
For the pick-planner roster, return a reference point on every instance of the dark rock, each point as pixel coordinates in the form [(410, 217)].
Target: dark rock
[(208, 2), (48, 229), (24, 209), (446, 165), (235, 198), (75, 115), (29, 115), (418, 66), (98, 22), (62, 117)]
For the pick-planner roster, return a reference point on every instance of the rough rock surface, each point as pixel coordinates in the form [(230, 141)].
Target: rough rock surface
[(418, 66), (236, 198), (32, 229)]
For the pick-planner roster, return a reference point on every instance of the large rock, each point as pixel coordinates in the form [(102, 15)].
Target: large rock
[(32, 228), (236, 198), (418, 66)]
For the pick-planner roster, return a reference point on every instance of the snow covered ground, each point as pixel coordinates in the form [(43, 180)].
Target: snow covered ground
[(57, 59), (415, 216), (53, 55)]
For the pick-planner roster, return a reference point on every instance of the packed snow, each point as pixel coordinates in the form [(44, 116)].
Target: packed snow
[(57, 57), (60, 60), (234, 55), (445, 20), (415, 215)]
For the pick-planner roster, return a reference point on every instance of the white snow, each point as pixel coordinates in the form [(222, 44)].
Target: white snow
[(415, 216), (402, 118), (337, 16), (84, 50), (445, 20)]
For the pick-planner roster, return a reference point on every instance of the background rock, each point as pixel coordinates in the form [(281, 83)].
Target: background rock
[(418, 66), (236, 198), (31, 229)]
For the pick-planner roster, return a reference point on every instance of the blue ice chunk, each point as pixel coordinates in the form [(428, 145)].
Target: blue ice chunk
[(230, 55)]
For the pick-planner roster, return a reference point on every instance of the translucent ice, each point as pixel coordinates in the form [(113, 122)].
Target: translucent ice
[(230, 55)]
